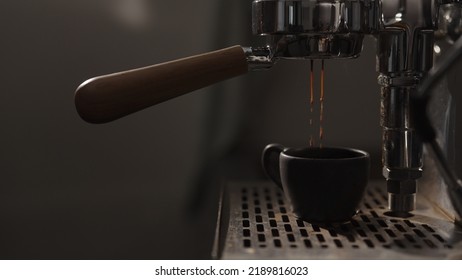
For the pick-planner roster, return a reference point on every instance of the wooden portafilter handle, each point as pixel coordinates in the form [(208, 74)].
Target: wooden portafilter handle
[(109, 97)]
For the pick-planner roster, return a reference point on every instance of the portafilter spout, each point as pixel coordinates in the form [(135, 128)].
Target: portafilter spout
[(300, 29)]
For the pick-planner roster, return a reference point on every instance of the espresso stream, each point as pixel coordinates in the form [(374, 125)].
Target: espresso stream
[(312, 104)]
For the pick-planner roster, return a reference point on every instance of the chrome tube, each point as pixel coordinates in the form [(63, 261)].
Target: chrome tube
[(405, 55)]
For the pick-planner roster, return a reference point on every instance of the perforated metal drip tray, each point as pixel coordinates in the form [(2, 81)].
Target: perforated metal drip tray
[(255, 222)]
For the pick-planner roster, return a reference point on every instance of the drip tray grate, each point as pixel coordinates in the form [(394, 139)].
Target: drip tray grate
[(256, 223)]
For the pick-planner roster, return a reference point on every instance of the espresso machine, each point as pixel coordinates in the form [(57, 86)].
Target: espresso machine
[(253, 218)]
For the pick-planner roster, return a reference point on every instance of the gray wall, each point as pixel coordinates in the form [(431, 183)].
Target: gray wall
[(145, 186), (71, 189)]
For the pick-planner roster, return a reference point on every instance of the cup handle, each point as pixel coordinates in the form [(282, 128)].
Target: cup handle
[(270, 162)]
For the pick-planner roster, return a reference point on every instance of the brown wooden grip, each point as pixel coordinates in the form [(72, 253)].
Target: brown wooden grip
[(109, 97)]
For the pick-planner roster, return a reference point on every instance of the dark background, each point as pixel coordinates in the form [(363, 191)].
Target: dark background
[(146, 186)]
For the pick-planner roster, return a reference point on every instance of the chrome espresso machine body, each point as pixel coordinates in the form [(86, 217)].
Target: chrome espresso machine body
[(253, 221), (405, 33)]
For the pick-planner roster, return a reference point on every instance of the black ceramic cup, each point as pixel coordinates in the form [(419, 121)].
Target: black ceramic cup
[(323, 185)]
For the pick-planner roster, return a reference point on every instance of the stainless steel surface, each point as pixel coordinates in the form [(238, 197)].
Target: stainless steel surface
[(449, 1), (453, 186), (258, 58), (256, 223), (450, 21), (434, 111), (402, 149), (314, 29), (313, 17), (401, 203), (316, 46)]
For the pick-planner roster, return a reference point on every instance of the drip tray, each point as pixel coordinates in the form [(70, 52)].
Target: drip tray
[(255, 222)]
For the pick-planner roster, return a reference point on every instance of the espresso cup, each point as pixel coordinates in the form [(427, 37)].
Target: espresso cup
[(323, 185)]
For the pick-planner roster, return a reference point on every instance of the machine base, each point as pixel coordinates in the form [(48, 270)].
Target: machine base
[(255, 222)]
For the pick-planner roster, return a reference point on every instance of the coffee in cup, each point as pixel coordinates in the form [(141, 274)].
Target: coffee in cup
[(322, 184)]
